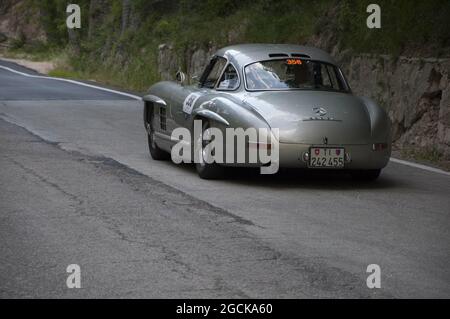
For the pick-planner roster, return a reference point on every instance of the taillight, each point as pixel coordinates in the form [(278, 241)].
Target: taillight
[(379, 146)]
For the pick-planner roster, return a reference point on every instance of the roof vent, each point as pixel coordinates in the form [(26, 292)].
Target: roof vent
[(299, 55)]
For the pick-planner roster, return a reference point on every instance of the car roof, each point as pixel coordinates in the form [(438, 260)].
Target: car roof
[(243, 54)]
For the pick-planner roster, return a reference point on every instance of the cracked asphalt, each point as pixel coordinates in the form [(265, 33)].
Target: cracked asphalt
[(132, 236), (77, 186)]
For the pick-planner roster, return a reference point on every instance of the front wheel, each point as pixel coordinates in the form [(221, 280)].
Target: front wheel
[(366, 175)]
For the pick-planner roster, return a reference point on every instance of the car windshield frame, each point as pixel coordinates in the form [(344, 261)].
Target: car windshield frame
[(337, 70), (236, 87)]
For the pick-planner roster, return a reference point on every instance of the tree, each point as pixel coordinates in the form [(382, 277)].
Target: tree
[(126, 12)]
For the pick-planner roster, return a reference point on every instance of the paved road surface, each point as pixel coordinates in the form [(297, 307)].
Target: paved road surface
[(78, 187)]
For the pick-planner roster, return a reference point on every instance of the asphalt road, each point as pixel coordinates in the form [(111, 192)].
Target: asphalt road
[(79, 187)]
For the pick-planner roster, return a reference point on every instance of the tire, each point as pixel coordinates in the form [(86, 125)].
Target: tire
[(205, 170), (155, 152), (366, 175)]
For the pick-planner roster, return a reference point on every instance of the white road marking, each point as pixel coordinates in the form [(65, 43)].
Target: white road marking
[(392, 159), (424, 167), (73, 82)]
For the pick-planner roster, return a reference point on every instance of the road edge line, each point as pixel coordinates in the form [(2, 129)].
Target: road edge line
[(72, 81), (421, 166)]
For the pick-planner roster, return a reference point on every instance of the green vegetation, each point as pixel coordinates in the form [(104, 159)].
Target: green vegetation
[(118, 43), (408, 27)]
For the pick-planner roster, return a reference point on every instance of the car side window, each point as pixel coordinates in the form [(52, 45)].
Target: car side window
[(229, 79), (326, 77), (333, 78), (213, 72)]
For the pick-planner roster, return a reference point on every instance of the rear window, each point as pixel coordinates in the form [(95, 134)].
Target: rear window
[(294, 74)]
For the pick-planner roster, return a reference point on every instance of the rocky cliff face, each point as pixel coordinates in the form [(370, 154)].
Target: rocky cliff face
[(18, 20), (414, 92), (192, 62)]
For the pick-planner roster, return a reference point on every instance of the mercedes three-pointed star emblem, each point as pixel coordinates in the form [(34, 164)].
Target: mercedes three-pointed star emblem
[(320, 111)]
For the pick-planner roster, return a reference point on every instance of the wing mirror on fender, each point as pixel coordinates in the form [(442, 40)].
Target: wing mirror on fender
[(180, 77)]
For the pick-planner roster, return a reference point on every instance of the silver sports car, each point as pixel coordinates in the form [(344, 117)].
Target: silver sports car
[(297, 90)]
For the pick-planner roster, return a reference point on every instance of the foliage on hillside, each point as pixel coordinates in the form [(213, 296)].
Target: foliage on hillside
[(119, 38)]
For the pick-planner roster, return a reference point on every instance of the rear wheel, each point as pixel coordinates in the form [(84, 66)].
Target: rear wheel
[(155, 152), (366, 175), (204, 169)]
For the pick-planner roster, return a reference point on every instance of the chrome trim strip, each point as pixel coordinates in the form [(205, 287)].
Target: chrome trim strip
[(212, 115), (329, 119), (165, 137), (221, 74), (155, 99)]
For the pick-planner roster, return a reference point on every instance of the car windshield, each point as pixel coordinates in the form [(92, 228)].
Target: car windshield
[(294, 74)]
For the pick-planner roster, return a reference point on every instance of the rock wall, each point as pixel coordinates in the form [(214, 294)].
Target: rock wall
[(19, 20), (414, 92), (192, 62)]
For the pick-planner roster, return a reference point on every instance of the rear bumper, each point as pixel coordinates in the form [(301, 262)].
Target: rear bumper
[(358, 156)]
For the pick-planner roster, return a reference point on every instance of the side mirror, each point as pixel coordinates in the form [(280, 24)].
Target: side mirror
[(180, 77), (195, 79)]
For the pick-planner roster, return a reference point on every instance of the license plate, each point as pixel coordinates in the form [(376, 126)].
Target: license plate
[(326, 157)]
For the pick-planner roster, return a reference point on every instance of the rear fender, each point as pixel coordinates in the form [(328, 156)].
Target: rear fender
[(229, 113), (211, 115), (380, 124)]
